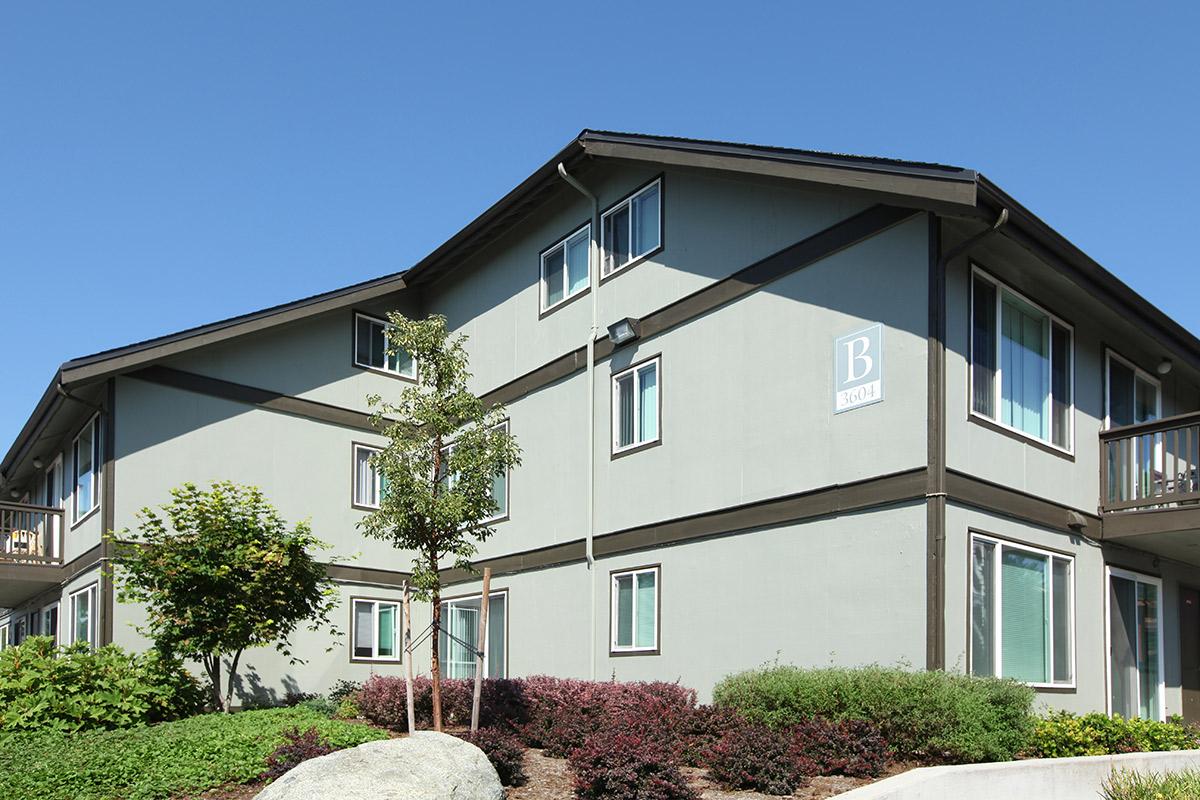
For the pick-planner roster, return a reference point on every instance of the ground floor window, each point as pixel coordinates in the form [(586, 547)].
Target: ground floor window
[(1022, 613), (49, 616), (635, 610), (1135, 672), (83, 615), (376, 632), (3, 636), (459, 636)]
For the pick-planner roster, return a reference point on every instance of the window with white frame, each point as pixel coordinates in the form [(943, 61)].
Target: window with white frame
[(369, 485), (376, 632), (3, 636), (49, 621), (499, 482), (632, 228), (83, 615), (86, 460), (371, 349), (1022, 613), (635, 411), (635, 610), (565, 268), (1021, 364), (459, 636)]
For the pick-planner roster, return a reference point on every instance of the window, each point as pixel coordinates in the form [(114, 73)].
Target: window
[(632, 228), (1135, 668), (3, 636), (376, 630), (635, 412), (1022, 613), (86, 459), (635, 611), (459, 636), (371, 349), (1021, 370), (49, 622), (1133, 395), (565, 268), (499, 483), (20, 630), (369, 485), (83, 615)]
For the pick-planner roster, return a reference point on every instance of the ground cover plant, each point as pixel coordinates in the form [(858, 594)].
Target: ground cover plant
[(43, 687), (1126, 785), (1063, 735), (933, 717), (158, 761)]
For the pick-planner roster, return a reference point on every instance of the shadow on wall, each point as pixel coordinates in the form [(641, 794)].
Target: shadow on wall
[(250, 691)]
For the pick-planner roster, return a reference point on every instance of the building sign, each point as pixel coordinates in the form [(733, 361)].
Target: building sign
[(858, 369)]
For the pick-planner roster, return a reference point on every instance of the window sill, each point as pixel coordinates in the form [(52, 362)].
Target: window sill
[(626, 267), (395, 661), (561, 304), (628, 451), (644, 652), (386, 373), (1021, 436), (85, 517)]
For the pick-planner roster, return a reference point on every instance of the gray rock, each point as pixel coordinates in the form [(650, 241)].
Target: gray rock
[(424, 766)]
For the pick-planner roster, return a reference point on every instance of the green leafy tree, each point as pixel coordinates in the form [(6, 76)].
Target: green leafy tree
[(444, 451), (219, 572)]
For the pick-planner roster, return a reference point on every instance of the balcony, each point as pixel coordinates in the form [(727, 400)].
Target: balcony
[(1150, 485), (30, 534)]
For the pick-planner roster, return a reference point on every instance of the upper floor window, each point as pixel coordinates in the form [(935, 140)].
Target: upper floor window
[(369, 485), (371, 349), (565, 268), (86, 459), (1021, 364), (632, 228), (499, 483), (376, 630), (635, 611), (635, 411), (1022, 613), (1133, 396)]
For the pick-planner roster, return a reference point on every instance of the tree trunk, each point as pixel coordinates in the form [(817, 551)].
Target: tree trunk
[(435, 641), (232, 671), (212, 665)]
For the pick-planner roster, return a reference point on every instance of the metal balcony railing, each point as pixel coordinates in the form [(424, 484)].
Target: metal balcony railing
[(1151, 465), (30, 534)]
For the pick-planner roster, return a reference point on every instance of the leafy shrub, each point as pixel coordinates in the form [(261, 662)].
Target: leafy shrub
[(753, 756), (627, 767), (75, 688), (929, 716), (296, 698), (159, 761), (847, 747), (321, 705), (342, 689), (347, 709), (1127, 785), (382, 700), (1063, 735), (504, 750), (706, 726), (296, 746)]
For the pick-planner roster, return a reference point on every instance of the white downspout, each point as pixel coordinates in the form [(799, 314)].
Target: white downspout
[(594, 286)]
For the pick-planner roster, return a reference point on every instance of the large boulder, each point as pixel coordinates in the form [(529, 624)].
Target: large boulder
[(424, 766)]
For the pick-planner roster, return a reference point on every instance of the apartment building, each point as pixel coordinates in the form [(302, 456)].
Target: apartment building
[(774, 405)]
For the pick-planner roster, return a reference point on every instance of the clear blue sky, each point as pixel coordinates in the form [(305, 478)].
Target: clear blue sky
[(164, 165)]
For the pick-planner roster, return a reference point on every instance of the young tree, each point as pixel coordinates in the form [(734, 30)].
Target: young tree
[(438, 470), (220, 572)]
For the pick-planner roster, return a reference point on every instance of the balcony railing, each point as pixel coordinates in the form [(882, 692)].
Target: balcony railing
[(1151, 465), (30, 534)]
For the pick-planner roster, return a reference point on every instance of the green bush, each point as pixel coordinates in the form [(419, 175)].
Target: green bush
[(935, 717), (1063, 735), (157, 761), (1125, 785), (75, 688)]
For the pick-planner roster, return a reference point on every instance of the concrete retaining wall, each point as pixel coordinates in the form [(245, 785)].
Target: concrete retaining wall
[(1043, 779)]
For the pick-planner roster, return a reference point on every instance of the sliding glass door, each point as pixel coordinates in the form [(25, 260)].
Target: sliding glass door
[(1135, 669)]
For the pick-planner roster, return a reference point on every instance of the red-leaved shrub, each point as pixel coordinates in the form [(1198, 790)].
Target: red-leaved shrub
[(627, 767), (705, 728), (297, 746), (382, 700), (849, 747), (504, 750), (753, 756)]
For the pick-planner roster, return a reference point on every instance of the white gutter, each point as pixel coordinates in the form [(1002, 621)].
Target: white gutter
[(594, 287)]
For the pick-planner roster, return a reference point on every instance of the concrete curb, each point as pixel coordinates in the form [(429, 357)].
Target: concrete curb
[(1033, 779)]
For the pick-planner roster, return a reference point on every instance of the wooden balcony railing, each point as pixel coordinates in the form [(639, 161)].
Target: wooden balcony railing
[(1151, 465), (30, 534)]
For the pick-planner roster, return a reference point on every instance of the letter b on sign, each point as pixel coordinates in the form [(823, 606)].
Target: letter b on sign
[(858, 369)]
